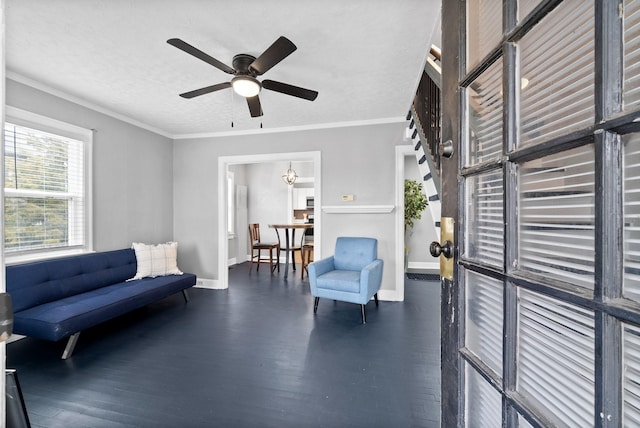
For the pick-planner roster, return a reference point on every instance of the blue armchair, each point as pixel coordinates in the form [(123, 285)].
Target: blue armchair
[(353, 274)]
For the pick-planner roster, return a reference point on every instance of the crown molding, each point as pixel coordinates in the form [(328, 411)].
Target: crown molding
[(382, 121)]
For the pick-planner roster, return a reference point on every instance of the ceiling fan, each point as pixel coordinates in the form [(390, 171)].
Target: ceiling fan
[(245, 70)]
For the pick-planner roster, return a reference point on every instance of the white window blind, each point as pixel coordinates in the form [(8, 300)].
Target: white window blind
[(484, 32), (525, 7), (483, 403), (45, 189), (631, 82), (557, 62), (631, 375), (556, 358), (556, 224), (631, 195), (483, 335), (484, 110), (523, 423), (485, 218)]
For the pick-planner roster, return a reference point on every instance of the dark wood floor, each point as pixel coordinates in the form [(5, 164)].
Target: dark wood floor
[(250, 356)]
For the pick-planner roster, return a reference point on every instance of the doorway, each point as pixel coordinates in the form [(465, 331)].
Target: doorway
[(223, 166), (403, 152)]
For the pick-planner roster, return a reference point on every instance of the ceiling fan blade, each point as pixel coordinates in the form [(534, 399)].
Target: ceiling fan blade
[(186, 47), (206, 90), (254, 106), (287, 89), (279, 50)]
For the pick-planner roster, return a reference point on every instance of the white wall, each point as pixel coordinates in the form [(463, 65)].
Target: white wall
[(132, 171), (356, 160), (423, 232), (267, 196)]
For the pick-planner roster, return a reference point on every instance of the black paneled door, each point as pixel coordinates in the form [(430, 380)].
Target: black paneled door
[(541, 319)]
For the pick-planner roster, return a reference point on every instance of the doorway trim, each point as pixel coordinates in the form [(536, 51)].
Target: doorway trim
[(223, 165), (402, 152)]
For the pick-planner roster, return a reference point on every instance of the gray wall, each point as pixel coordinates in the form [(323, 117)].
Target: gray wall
[(132, 171), (355, 160), (423, 232)]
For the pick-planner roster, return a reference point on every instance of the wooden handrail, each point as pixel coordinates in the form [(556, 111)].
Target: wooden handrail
[(435, 51)]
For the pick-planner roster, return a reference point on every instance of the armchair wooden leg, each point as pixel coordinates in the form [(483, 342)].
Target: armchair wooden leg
[(364, 318), (315, 304), (375, 296)]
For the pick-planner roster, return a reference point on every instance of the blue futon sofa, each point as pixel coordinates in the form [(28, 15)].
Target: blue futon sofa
[(56, 299)]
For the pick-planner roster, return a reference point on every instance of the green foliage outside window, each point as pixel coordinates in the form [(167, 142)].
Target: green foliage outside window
[(38, 163)]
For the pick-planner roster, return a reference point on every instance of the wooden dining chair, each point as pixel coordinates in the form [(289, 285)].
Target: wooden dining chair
[(307, 257), (257, 248)]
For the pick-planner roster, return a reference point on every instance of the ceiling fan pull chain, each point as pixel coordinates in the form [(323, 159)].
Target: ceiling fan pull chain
[(232, 100)]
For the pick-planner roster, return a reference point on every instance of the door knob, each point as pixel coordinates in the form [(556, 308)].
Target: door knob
[(445, 249), (446, 149)]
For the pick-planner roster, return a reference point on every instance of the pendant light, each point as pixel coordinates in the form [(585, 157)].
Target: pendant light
[(290, 176)]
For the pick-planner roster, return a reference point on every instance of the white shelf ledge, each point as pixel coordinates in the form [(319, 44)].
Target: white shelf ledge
[(357, 209)]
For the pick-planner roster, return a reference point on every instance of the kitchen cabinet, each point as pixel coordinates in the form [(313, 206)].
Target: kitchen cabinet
[(300, 196)]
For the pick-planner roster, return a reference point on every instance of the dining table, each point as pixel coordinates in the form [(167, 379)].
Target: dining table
[(289, 239)]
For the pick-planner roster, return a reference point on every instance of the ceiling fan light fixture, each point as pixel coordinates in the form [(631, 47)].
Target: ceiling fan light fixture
[(246, 86)]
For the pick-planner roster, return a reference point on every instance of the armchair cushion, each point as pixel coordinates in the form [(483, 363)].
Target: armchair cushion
[(340, 280)]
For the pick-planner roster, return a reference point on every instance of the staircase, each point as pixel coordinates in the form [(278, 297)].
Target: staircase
[(423, 128)]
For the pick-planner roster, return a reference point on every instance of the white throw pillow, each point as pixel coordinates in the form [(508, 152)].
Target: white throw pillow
[(156, 260)]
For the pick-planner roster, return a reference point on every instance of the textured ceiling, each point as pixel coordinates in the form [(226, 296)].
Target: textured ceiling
[(364, 57)]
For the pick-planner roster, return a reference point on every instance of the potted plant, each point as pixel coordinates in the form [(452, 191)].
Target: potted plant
[(415, 203)]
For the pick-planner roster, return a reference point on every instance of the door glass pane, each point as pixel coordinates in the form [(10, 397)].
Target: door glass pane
[(522, 422), (483, 403), (484, 218), (631, 196), (631, 372), (484, 110), (556, 62), (556, 358), (484, 31), (557, 216), (484, 319), (525, 7), (631, 85)]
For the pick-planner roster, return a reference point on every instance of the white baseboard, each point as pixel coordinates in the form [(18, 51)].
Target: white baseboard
[(15, 338), (389, 296), (424, 266), (211, 284), (231, 262)]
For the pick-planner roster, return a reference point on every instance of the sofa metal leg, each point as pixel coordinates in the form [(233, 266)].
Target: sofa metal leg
[(364, 318), (73, 339), (185, 295), (315, 304), (375, 296)]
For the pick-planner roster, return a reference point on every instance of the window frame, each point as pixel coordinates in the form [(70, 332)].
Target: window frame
[(38, 122), (231, 205)]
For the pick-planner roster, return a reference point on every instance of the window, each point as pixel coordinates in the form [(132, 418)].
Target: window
[(47, 189)]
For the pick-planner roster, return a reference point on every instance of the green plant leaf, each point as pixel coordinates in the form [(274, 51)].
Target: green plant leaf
[(415, 202)]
